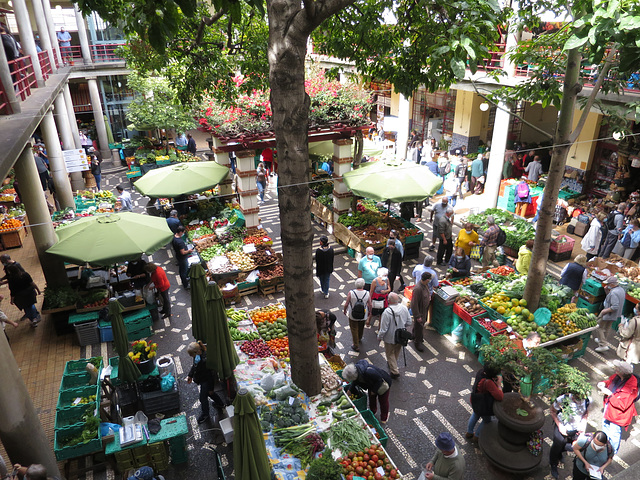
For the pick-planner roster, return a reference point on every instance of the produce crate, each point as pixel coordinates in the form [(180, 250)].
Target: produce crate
[(360, 403), (163, 162), (414, 238), (13, 238), (464, 315), (585, 342), (74, 381), (76, 318), (76, 366), (139, 334), (411, 251), (87, 333), (591, 298), (106, 332), (73, 416), (138, 320), (559, 257), (159, 401), (375, 425), (561, 247), (134, 173), (247, 288), (593, 287), (67, 397), (511, 252), (80, 450), (592, 307), (443, 319)]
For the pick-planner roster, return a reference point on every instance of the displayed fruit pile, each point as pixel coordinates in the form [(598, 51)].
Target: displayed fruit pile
[(634, 292), (256, 348), (199, 232), (205, 241), (220, 264), (242, 261), (237, 335), (105, 195), (218, 223), (464, 281), (237, 316), (213, 251), (9, 224), (567, 320), (365, 464), (276, 271), (335, 366), (270, 314), (269, 331), (258, 239), (470, 304), (95, 298), (279, 348), (502, 270), (492, 326), (263, 256)]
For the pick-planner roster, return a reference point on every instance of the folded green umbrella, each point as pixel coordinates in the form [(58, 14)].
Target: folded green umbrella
[(391, 180), (249, 451), (127, 370), (221, 357), (198, 282), (181, 179)]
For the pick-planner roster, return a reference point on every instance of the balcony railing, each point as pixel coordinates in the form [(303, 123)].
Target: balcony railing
[(24, 78), (100, 53), (45, 64)]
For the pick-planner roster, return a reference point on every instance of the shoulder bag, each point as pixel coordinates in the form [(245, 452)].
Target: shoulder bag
[(401, 336)]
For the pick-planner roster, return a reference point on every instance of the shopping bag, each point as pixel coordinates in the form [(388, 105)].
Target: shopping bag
[(476, 252)]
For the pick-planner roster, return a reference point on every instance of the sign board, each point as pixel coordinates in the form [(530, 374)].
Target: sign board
[(75, 160)]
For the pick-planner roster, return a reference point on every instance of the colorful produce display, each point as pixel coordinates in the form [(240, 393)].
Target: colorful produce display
[(241, 260), (256, 348), (276, 271), (470, 304), (365, 462), (270, 314)]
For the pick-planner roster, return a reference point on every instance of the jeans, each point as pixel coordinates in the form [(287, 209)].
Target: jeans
[(206, 392), (31, 312), (261, 188), (183, 269), (166, 302), (473, 420), (453, 199), (98, 178), (559, 443), (324, 282), (614, 432)]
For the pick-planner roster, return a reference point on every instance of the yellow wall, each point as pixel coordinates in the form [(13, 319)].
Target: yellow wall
[(581, 153), (395, 103), (468, 116), (543, 118)]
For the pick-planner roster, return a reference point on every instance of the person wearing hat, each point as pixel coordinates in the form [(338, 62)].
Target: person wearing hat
[(324, 265), (574, 274), (620, 392), (613, 303), (629, 331), (373, 379), (447, 463)]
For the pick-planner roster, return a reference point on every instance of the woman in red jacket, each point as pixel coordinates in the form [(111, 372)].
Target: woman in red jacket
[(620, 391), (160, 280)]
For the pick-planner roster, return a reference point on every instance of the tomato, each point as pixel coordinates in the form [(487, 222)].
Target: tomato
[(366, 457), (372, 463), (372, 451), (349, 477), (351, 454), (381, 454), (374, 458), (359, 470), (393, 473), (377, 476)]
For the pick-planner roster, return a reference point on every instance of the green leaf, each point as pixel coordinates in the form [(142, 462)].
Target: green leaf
[(629, 23), (458, 67), (446, 48), (522, 413), (575, 42)]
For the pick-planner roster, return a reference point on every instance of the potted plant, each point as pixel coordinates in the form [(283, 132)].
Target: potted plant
[(507, 443), (144, 355)]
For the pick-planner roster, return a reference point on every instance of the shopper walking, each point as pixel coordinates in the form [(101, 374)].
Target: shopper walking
[(394, 317), (613, 304), (438, 210), (534, 169), (445, 233), (426, 266), (173, 222), (379, 292), (205, 378), (96, 168), (447, 463), (592, 240), (629, 331), (628, 243), (490, 243), (420, 302), (357, 307), (392, 261), (486, 390), (614, 224), (126, 205), (191, 145), (569, 413), (161, 282), (620, 391), (262, 180), (477, 171), (393, 235), (467, 238), (23, 292), (182, 255), (368, 267), (324, 265), (523, 197), (375, 381)]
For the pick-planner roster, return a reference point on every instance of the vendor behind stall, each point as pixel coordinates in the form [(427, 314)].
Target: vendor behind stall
[(460, 263), (136, 272)]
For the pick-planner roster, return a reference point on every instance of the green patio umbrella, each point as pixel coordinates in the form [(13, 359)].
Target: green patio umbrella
[(221, 354), (392, 180), (181, 179), (198, 284), (249, 452), (103, 240), (127, 370)]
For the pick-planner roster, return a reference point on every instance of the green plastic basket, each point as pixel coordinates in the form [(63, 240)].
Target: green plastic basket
[(79, 450), (370, 418), (74, 381), (360, 403), (77, 366), (72, 416), (66, 398)]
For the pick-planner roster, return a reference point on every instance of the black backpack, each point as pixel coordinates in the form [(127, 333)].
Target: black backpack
[(501, 238), (611, 220), (445, 168), (461, 170), (589, 436), (358, 310)]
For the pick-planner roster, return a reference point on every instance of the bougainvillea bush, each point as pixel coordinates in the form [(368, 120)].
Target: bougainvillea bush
[(331, 103)]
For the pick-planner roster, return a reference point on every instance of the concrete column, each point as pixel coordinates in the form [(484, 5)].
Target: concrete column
[(7, 83), (82, 33), (37, 210), (404, 117), (26, 37), (64, 128), (512, 41), (246, 187), (98, 115), (73, 123), (222, 158), (496, 157), (46, 6), (56, 162), (43, 31), (342, 158)]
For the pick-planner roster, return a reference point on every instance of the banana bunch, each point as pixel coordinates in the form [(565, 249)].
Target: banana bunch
[(568, 308)]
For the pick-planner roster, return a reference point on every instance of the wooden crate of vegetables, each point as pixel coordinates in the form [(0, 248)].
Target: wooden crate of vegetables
[(12, 238), (467, 307)]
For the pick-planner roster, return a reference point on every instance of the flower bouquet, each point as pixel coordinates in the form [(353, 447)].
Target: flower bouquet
[(143, 354)]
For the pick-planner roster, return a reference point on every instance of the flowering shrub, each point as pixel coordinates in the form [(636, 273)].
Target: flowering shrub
[(141, 351), (331, 103)]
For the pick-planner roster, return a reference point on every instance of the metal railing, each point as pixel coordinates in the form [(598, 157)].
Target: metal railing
[(100, 53), (45, 64), (5, 106), (24, 78)]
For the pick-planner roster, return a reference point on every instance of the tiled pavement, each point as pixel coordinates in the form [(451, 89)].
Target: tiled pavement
[(430, 397)]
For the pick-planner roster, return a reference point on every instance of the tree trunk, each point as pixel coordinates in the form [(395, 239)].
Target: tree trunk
[(290, 106), (538, 267)]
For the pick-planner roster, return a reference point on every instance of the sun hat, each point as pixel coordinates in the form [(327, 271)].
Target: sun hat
[(445, 442), (612, 280), (623, 367)]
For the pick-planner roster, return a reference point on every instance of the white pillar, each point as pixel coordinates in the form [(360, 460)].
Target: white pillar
[(46, 6), (82, 34), (26, 38), (7, 82), (98, 115), (247, 188), (222, 158), (404, 117), (43, 31), (342, 158), (64, 128), (56, 162), (496, 157), (72, 116)]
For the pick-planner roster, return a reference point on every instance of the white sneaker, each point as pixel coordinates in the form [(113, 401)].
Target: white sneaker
[(326, 295), (601, 349), (597, 340)]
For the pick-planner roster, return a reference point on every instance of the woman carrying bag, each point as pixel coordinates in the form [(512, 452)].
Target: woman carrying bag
[(629, 331), (373, 379), (380, 289)]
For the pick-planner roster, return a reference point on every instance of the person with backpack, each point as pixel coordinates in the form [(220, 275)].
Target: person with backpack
[(569, 413), (395, 317), (373, 379), (487, 389), (477, 172), (491, 239), (523, 197), (620, 395), (461, 175), (324, 264), (614, 224), (444, 165), (593, 454), (420, 301), (629, 240), (356, 308)]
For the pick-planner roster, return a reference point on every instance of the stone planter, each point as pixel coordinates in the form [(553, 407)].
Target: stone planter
[(505, 442)]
